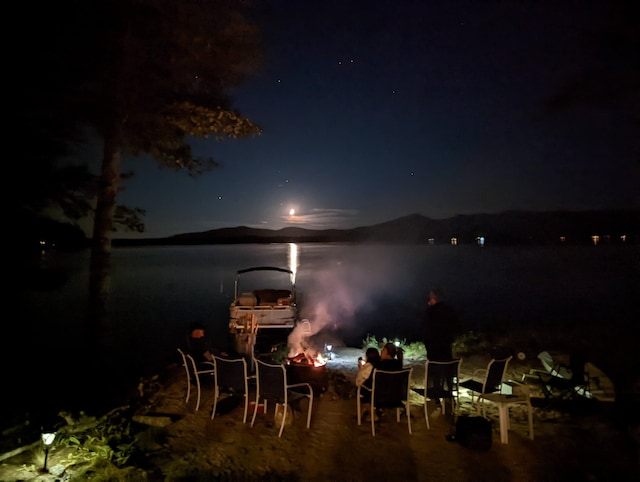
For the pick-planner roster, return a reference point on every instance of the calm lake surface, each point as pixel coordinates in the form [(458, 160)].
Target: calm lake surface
[(347, 290)]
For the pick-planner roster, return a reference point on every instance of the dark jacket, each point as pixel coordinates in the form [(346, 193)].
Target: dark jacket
[(441, 327)]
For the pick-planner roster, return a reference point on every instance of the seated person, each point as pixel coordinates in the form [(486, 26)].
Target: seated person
[(390, 358), (198, 347), (365, 377), (365, 367)]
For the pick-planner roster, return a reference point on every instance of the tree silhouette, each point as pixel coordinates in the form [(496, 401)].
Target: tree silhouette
[(144, 75)]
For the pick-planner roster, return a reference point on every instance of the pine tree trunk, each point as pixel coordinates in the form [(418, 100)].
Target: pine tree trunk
[(100, 267)]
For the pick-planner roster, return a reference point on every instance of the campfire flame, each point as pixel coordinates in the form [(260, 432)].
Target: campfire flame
[(300, 350), (303, 358)]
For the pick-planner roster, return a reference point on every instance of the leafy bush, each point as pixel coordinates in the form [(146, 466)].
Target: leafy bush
[(413, 349), (279, 353), (466, 344), (110, 442), (471, 342)]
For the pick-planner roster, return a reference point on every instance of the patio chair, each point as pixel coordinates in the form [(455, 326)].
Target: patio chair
[(389, 389), (485, 381), (231, 376), (272, 385), (193, 374), (441, 384), (560, 381)]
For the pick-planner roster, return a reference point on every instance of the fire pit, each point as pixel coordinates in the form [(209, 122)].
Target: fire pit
[(313, 370)]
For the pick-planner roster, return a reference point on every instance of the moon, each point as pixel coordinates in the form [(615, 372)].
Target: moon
[(292, 212)]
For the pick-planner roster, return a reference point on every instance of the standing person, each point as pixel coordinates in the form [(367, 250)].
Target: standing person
[(441, 327), (440, 331), (365, 377), (199, 349)]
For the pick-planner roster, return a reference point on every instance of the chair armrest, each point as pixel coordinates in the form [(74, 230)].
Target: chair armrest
[(206, 367), (299, 385), (363, 386), (518, 388)]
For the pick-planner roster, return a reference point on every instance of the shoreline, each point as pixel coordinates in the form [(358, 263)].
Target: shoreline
[(225, 449), (80, 383)]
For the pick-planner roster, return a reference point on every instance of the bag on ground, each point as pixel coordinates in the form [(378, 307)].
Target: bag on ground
[(473, 432), (280, 413), (226, 404)]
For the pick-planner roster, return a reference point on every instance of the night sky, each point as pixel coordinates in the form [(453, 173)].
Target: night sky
[(373, 110)]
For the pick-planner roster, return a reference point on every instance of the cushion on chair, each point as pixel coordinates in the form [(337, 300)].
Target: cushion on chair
[(474, 385), (247, 299)]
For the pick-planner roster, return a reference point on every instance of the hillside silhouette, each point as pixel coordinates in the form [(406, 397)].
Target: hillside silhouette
[(509, 227)]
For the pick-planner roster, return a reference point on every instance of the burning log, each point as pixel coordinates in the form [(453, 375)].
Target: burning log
[(303, 368), (305, 359)]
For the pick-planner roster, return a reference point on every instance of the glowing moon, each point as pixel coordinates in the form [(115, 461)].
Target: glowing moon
[(292, 212)]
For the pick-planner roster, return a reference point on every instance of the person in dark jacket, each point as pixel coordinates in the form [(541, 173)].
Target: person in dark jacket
[(198, 347), (390, 358), (441, 327)]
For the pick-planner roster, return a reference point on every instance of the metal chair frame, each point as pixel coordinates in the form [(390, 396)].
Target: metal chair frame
[(491, 380), (447, 376), (272, 384), (231, 375), (193, 374), (389, 389)]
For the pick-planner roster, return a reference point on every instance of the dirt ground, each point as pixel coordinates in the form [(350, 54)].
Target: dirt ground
[(577, 442)]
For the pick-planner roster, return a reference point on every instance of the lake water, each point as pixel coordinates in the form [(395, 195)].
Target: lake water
[(347, 290)]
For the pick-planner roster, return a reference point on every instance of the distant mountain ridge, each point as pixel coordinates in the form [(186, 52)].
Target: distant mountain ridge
[(509, 227)]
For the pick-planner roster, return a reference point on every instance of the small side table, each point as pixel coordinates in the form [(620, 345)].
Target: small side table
[(520, 396)]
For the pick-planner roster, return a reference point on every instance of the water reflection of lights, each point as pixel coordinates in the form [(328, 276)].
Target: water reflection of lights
[(293, 261)]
